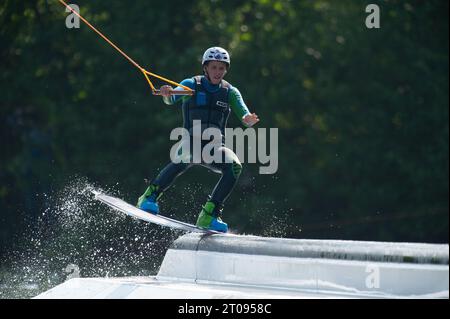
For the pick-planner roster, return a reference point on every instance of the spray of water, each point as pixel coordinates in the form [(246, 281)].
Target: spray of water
[(76, 236), (279, 226)]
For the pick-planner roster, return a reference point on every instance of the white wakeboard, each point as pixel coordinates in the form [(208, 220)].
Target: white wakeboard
[(135, 212)]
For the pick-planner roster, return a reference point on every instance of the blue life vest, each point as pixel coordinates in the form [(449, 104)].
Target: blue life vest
[(211, 108)]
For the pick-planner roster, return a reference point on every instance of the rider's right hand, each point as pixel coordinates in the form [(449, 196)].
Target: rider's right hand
[(165, 90)]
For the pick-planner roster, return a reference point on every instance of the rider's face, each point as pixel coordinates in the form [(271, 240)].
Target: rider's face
[(216, 71)]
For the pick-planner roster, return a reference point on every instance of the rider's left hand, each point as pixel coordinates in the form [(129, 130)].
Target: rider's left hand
[(250, 119)]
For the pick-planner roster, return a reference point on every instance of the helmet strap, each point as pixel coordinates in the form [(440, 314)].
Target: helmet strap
[(206, 73)]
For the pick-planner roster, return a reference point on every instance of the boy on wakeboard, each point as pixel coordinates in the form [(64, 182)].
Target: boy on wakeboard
[(210, 105)]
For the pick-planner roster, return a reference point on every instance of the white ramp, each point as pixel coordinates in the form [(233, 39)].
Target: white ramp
[(230, 266)]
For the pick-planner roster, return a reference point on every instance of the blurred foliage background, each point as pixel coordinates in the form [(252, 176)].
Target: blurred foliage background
[(362, 113)]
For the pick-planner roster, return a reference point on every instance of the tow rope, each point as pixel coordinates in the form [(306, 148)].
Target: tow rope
[(187, 90)]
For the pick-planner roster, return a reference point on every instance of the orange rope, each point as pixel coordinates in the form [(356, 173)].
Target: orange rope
[(166, 80), (149, 82), (145, 72)]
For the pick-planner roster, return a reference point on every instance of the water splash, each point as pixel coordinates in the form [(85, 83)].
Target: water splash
[(279, 226), (274, 222), (77, 235)]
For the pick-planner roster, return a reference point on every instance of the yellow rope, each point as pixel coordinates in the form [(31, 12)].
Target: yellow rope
[(166, 80), (188, 91), (148, 80)]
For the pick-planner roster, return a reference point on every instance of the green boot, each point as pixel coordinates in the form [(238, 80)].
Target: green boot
[(148, 200), (209, 218)]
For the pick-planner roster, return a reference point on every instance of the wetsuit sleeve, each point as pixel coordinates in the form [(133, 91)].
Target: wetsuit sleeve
[(237, 103), (190, 83)]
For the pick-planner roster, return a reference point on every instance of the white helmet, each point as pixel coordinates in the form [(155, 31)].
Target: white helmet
[(216, 54)]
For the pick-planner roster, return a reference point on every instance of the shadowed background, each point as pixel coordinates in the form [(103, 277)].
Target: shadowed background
[(362, 113)]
